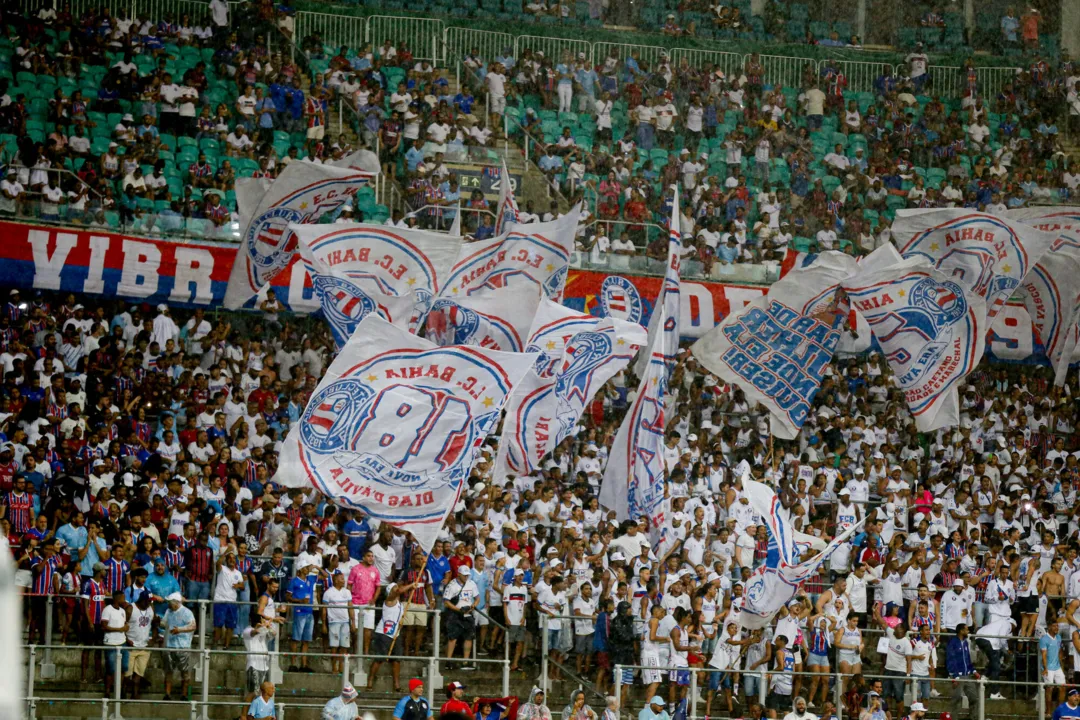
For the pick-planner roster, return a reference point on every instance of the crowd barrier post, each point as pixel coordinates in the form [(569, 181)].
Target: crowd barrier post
[(48, 667), (118, 678), (618, 687), (1040, 701), (544, 661), (30, 681), (280, 710), (506, 665), (762, 689), (276, 675), (359, 678), (199, 676), (204, 662), (693, 693), (838, 695), (345, 670), (104, 708), (194, 710), (982, 698), (434, 677)]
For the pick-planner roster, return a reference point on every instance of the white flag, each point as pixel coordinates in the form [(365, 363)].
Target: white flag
[(533, 254), (396, 424), (359, 268), (303, 193), (665, 313), (777, 581), (507, 214), (496, 320), (635, 474), (984, 253), (1051, 293), (546, 407), (779, 346), (930, 329)]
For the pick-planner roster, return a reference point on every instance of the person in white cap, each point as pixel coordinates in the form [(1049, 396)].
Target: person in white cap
[(164, 328), (179, 624), (343, 707)]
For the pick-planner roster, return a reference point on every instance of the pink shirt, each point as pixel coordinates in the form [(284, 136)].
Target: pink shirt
[(364, 581)]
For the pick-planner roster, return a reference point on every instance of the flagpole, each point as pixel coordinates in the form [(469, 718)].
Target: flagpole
[(423, 569)]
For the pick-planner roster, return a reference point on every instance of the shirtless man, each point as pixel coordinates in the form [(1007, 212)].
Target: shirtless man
[(1052, 585)]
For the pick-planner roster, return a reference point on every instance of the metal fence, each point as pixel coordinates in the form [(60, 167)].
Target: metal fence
[(336, 30), (555, 48), (648, 54), (861, 75), (731, 63), (424, 36)]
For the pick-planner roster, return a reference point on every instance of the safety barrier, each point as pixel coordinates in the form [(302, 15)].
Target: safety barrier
[(336, 30), (424, 36), (556, 48), (650, 55), (730, 63), (432, 39)]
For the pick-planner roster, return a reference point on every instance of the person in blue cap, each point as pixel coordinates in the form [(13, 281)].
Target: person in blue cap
[(655, 710), (1070, 708)]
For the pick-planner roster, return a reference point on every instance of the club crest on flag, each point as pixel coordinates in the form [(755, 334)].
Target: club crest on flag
[(397, 423), (620, 299), (585, 353), (269, 242), (449, 323), (343, 303)]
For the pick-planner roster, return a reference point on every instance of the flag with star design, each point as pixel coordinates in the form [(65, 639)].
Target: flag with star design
[(634, 479), (778, 347), (302, 194), (930, 328), (497, 320), (534, 254), (360, 268), (984, 253), (506, 214), (666, 323), (576, 355), (396, 424)]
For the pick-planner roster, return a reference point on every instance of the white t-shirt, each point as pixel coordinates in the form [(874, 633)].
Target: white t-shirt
[(384, 562), (896, 659), (514, 600), (113, 617), (339, 600), (226, 579)]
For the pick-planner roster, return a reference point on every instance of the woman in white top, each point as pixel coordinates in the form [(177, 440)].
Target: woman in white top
[(654, 650), (848, 642), (725, 658)]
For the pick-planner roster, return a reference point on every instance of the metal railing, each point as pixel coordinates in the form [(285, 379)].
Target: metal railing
[(354, 668)]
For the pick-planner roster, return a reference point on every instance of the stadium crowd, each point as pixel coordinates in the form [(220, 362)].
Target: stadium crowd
[(140, 443), (138, 467)]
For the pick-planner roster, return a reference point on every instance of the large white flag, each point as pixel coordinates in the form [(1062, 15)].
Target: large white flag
[(359, 268), (665, 314), (778, 347), (1060, 220), (497, 320), (303, 193), (507, 214), (535, 254), (984, 253), (635, 475), (777, 581), (546, 407), (395, 425), (931, 330), (1051, 293), (553, 326)]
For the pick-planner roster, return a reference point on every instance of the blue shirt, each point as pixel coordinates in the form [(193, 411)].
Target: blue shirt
[(358, 534), (1052, 645), (958, 658), (437, 567), (414, 157), (262, 708), (179, 619), (93, 556), (74, 538), (1064, 711), (302, 590)]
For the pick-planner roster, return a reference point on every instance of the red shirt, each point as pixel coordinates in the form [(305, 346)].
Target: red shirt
[(456, 706), (457, 561)]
